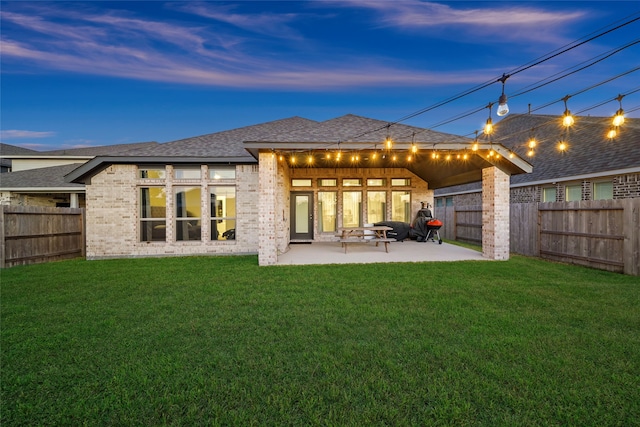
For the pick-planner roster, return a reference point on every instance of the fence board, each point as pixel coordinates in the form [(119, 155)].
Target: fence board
[(33, 234), (602, 234)]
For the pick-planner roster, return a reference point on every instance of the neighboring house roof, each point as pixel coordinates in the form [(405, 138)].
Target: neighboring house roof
[(589, 153), (7, 150), (49, 179)]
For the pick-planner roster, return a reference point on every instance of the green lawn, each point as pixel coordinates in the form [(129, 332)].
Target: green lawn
[(221, 341)]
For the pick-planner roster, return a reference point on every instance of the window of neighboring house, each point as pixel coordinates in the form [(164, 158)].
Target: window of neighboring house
[(328, 210), (448, 201), (549, 194), (153, 214), (573, 193), (187, 173), (188, 213), (603, 190), (352, 182), (352, 209), (376, 206), (223, 212), (401, 206), (328, 182), (400, 182), (222, 172), (301, 182), (155, 172), (439, 202)]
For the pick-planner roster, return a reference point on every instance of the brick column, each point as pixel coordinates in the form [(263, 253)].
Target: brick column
[(267, 174), (495, 214)]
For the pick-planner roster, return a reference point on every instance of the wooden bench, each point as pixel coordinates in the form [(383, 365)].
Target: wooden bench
[(345, 241)]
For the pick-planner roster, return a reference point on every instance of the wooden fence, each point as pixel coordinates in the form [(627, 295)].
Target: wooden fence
[(30, 234), (603, 234)]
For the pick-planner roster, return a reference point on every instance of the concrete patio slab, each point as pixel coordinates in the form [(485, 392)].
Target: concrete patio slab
[(406, 251)]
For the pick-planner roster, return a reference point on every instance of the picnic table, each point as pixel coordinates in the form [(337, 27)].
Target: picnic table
[(367, 234)]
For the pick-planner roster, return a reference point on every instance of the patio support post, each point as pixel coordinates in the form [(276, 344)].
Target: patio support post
[(495, 214), (268, 168)]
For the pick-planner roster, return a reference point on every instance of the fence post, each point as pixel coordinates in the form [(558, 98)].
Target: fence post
[(631, 231)]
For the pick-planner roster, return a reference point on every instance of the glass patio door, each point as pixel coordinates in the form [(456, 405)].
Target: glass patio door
[(301, 215)]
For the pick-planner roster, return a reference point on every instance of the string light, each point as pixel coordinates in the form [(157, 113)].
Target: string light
[(488, 127), (567, 118), (474, 147), (612, 132), (503, 108), (562, 146), (618, 119), (388, 141)]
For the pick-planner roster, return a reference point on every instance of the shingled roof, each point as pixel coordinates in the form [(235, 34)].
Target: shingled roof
[(50, 178), (8, 150), (589, 151), (353, 128), (104, 150), (223, 144)]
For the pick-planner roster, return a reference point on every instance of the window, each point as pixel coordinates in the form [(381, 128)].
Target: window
[(222, 172), (186, 173), (301, 182), (401, 206), (151, 172), (602, 190), (400, 182), (328, 182), (448, 201), (223, 212), (153, 213), (376, 206), (188, 213), (573, 193), (352, 209), (549, 194), (439, 202), (376, 182), (351, 182), (327, 208)]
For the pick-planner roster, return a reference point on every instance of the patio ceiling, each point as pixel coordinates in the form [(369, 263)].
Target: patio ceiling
[(455, 163)]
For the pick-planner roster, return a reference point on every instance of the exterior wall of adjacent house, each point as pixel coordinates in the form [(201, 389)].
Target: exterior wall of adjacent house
[(113, 215), (42, 200), (625, 186)]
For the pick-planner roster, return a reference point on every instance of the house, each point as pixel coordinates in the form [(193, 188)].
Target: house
[(258, 188), (36, 178), (593, 166), (8, 150)]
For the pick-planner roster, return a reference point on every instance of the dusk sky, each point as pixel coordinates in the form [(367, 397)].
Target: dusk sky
[(77, 74)]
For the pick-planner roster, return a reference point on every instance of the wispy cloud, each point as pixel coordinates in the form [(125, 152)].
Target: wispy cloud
[(24, 134), (211, 51), (518, 21)]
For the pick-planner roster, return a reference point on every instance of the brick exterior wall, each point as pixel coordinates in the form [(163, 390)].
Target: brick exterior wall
[(113, 216), (495, 214)]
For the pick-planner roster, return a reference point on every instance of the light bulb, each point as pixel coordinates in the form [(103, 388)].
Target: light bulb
[(618, 119), (488, 127), (389, 143), (503, 108), (475, 146), (567, 119), (414, 148), (562, 146), (532, 143), (530, 153), (612, 133)]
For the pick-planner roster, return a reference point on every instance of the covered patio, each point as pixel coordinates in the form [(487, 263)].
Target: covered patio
[(433, 159)]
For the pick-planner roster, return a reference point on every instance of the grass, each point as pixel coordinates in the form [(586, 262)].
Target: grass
[(221, 341)]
